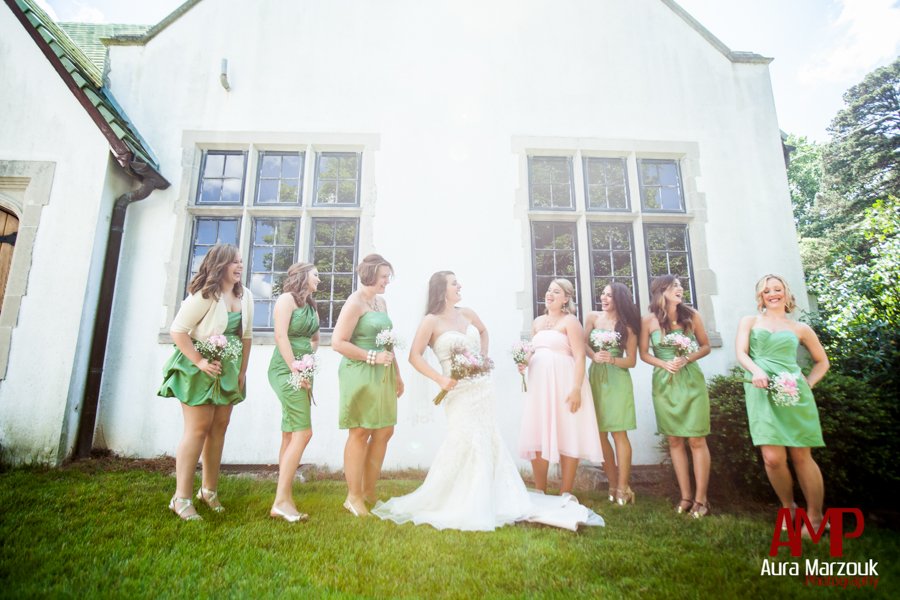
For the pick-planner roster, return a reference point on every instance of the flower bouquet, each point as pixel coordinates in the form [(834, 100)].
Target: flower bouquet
[(681, 344), (217, 348), (465, 364), (306, 366), (607, 341), (521, 350), (388, 340), (783, 390)]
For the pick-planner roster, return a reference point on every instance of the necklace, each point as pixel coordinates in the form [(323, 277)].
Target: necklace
[(373, 304), (548, 324)]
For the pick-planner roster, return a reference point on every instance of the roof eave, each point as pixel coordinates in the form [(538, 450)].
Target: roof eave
[(734, 56)]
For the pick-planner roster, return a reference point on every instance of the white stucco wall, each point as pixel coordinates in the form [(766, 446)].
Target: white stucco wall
[(42, 121), (446, 88)]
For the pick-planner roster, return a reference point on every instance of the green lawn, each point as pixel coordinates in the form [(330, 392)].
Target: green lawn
[(84, 532)]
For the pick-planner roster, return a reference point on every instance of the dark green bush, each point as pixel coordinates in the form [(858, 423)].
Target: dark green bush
[(860, 426)]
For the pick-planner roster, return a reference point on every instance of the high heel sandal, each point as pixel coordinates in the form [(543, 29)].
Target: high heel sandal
[(700, 509), (680, 508), (181, 505), (354, 511), (625, 496), (277, 513), (211, 499), (612, 494)]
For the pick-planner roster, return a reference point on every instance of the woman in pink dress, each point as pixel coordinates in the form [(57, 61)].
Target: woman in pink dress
[(559, 424)]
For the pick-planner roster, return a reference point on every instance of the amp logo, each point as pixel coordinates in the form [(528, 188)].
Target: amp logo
[(834, 520)]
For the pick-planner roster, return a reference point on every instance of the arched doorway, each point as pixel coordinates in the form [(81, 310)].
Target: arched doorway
[(9, 228)]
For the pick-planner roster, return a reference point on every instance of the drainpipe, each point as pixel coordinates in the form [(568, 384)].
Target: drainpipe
[(87, 420)]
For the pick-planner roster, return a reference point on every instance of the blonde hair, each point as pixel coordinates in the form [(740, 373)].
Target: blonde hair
[(790, 302), (368, 268), (569, 290)]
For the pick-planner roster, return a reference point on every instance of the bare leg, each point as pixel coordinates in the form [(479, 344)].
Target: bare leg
[(609, 464), (287, 469), (700, 454), (810, 478), (623, 457), (197, 422), (354, 461), (285, 440), (212, 448), (680, 465), (375, 451), (539, 468), (569, 466), (775, 459)]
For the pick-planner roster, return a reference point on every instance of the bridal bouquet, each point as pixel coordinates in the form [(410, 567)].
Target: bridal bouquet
[(607, 341), (306, 367), (783, 390), (681, 344), (388, 339), (521, 350), (217, 348), (465, 364)]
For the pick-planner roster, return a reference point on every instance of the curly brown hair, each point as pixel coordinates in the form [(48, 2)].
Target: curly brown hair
[(209, 277), (684, 315), (295, 283)]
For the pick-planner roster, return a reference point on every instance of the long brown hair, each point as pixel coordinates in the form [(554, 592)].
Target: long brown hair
[(437, 292), (627, 314), (295, 283), (683, 314), (212, 271)]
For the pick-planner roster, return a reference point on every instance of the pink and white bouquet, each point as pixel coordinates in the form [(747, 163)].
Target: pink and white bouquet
[(389, 340), (605, 340), (302, 371), (602, 339), (521, 351), (681, 344), (466, 364), (783, 390), (218, 348)]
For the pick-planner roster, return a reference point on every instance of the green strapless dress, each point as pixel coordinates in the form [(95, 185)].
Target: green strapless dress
[(798, 425), (368, 398), (183, 380), (680, 401), (295, 411), (613, 395)]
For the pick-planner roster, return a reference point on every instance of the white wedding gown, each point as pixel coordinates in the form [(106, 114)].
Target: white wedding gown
[(473, 483)]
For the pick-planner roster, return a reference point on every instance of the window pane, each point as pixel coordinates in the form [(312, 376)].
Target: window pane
[(211, 190), (612, 258), (550, 182), (231, 191), (661, 185), (605, 183), (234, 166), (333, 251), (668, 252), (290, 191), (207, 232), (274, 250), (553, 255), (337, 178), (268, 191), (270, 166), (290, 166), (280, 178), (215, 165)]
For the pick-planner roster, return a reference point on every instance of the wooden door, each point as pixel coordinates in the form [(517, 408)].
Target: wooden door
[(9, 227)]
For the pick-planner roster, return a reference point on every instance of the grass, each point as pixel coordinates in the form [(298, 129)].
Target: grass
[(83, 531)]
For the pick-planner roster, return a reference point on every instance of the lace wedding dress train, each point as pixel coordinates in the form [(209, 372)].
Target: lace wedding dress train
[(473, 483)]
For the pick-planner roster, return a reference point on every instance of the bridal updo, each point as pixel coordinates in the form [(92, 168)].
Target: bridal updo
[(569, 290), (437, 292)]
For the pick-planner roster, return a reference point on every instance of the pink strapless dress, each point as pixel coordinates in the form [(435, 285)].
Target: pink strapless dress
[(548, 426)]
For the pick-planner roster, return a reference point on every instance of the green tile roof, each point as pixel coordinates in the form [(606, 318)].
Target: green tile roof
[(88, 36), (84, 77)]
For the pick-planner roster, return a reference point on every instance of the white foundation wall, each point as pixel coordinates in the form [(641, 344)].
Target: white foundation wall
[(43, 122), (449, 91)]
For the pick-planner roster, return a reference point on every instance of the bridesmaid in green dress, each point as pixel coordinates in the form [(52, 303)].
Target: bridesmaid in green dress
[(767, 346), (370, 382), (611, 384), (680, 398), (296, 333), (217, 304)]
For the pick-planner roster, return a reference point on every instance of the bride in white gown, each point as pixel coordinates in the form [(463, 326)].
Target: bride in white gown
[(473, 483)]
